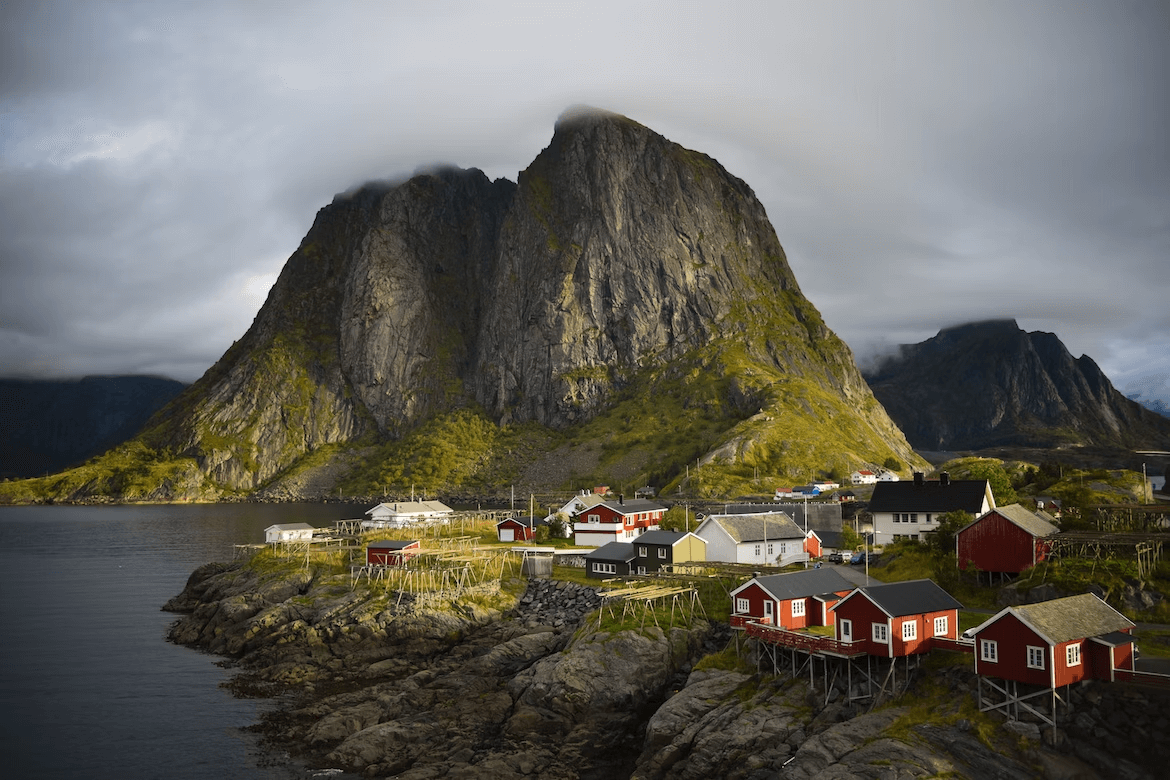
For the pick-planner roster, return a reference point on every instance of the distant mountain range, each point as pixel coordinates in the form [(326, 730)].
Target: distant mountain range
[(991, 384), (46, 426)]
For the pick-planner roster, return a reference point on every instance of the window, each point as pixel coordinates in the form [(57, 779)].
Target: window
[(741, 606), (909, 630), (989, 651), (595, 518), (641, 551), (881, 633), (1072, 655), (897, 517), (940, 626), (913, 517), (797, 607), (605, 568), (1035, 657), (757, 549), (769, 549), (662, 552), (928, 520)]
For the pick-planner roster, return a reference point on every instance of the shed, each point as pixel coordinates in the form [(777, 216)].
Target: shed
[(288, 532), (898, 618), (391, 552), (819, 543), (516, 529), (656, 549), (1007, 539)]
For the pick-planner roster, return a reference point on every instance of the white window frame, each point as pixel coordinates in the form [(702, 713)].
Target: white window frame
[(742, 605), (1072, 654), (880, 633), (604, 568), (662, 553), (909, 630), (941, 626), (757, 549), (1035, 657), (594, 518), (989, 651), (641, 551), (798, 608)]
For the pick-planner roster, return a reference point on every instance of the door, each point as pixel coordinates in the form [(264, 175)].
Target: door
[(507, 535), (846, 630), (767, 610)]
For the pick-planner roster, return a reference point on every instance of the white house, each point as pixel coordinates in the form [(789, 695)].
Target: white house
[(863, 477), (768, 538), (405, 513), (288, 532), (887, 476), (909, 509), (575, 505)]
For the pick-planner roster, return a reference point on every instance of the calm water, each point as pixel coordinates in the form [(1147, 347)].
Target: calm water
[(88, 685)]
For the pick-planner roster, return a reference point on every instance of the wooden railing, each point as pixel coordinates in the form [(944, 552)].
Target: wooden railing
[(1142, 678), (807, 643), (958, 645)]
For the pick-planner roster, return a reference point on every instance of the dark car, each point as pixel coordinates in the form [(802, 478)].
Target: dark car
[(860, 558), (834, 558)]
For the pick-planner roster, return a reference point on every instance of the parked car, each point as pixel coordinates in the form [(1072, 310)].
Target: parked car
[(834, 558), (861, 558)]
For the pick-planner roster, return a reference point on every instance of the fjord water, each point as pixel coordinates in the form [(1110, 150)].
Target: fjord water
[(89, 686)]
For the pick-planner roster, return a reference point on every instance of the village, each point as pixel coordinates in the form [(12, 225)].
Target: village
[(797, 588)]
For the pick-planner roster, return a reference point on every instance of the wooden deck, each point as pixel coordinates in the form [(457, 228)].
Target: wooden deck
[(799, 640)]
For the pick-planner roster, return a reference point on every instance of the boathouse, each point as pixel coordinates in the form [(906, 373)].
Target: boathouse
[(897, 619), (391, 552), (288, 532), (795, 600), (516, 529), (1005, 540)]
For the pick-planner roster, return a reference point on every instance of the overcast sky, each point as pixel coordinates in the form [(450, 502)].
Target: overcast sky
[(924, 164)]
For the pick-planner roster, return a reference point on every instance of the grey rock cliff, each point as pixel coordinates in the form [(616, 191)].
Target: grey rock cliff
[(617, 252)]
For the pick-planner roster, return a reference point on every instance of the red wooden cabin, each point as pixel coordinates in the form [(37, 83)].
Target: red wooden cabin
[(1007, 539), (1055, 643), (897, 619), (391, 552), (795, 600), (516, 529)]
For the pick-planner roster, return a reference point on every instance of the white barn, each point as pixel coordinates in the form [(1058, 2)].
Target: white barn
[(288, 532), (406, 513)]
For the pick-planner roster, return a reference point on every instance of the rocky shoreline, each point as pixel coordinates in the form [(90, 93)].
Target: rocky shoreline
[(511, 681)]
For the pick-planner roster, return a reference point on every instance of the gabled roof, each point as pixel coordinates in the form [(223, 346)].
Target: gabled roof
[(1066, 619), (413, 507), (913, 597), (1035, 523), (758, 527), (930, 496), (634, 506), (829, 538), (393, 544), (799, 584), (291, 527), (664, 538), (613, 551)]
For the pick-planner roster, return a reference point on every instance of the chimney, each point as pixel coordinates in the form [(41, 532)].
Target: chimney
[(919, 478), (944, 478), (621, 499)]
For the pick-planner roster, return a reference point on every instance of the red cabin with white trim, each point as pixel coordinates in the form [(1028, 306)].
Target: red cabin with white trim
[(897, 619), (1055, 643), (795, 600), (1006, 539)]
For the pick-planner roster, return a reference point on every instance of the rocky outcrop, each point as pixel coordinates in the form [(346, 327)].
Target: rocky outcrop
[(487, 686), (618, 257), (991, 384)]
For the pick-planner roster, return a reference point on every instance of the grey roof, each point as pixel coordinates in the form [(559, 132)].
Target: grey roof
[(801, 584), (830, 538), (929, 496), (613, 551), (1035, 523), (633, 506), (758, 527), (913, 597), (1072, 617), (664, 538), (392, 544)]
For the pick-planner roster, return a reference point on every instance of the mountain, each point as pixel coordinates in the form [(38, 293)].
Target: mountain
[(625, 304), (46, 426), (990, 384)]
